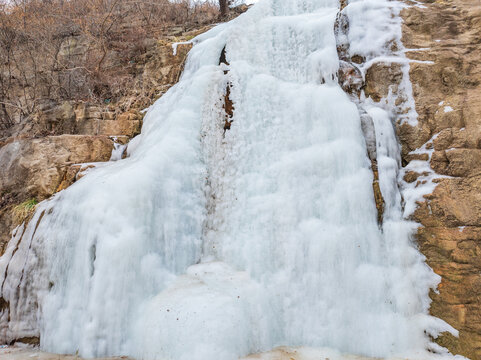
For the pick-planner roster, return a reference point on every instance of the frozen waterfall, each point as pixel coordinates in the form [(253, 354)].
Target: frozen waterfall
[(212, 241)]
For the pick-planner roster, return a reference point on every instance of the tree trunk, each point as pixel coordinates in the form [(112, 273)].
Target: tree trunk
[(224, 8)]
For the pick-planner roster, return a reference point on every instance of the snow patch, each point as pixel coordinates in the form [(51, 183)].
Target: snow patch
[(176, 45)]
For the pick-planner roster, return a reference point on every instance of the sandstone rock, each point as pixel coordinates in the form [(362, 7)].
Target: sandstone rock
[(37, 168), (463, 162), (445, 120), (163, 66), (98, 120), (439, 162), (155, 71), (421, 157), (450, 235), (38, 165), (57, 118), (412, 138), (411, 176), (381, 78)]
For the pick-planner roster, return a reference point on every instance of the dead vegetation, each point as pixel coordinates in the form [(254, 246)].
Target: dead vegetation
[(87, 50)]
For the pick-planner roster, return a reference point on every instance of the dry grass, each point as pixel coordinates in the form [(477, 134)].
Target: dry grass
[(24, 210)]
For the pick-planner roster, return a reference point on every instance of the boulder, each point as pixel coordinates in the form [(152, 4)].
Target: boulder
[(36, 166), (33, 169)]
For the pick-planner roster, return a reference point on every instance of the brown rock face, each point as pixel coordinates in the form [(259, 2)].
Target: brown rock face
[(37, 168), (39, 165), (382, 78), (447, 91)]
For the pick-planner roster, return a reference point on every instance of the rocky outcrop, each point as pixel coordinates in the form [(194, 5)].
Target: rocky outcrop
[(382, 78), (87, 119), (35, 169), (447, 86)]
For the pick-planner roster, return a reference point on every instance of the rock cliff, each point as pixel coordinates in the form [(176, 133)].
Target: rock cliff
[(441, 154), (446, 86)]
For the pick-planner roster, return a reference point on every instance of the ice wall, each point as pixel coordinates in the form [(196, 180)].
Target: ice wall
[(213, 243)]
